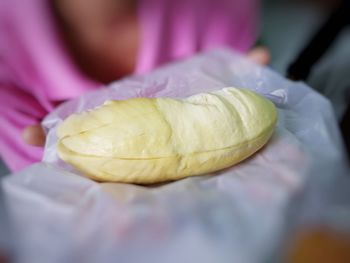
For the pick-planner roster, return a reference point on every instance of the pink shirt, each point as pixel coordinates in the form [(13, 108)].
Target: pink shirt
[(35, 70)]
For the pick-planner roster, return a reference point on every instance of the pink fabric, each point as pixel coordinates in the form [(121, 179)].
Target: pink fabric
[(36, 71), (177, 29)]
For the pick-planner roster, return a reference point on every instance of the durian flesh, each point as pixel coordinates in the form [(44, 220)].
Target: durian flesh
[(151, 140)]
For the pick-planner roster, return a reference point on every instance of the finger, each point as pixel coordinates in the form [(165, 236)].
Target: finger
[(34, 135), (260, 55)]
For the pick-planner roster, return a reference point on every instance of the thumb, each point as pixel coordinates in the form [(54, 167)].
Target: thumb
[(34, 135)]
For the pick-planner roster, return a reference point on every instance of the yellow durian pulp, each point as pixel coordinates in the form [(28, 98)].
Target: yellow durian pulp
[(152, 140)]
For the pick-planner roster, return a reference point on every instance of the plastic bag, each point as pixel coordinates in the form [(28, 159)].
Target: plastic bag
[(235, 215)]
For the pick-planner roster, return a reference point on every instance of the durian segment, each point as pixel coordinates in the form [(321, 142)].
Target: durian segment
[(150, 140)]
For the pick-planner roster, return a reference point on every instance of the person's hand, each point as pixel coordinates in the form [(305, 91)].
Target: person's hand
[(260, 55), (34, 134)]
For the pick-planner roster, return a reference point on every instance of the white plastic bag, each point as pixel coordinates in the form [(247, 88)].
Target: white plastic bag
[(236, 215)]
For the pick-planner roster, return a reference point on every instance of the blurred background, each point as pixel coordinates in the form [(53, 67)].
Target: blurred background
[(3, 169)]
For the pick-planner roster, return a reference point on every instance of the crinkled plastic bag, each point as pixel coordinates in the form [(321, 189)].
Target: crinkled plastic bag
[(235, 215)]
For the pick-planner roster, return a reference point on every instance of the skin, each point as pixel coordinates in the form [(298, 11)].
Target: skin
[(102, 38)]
